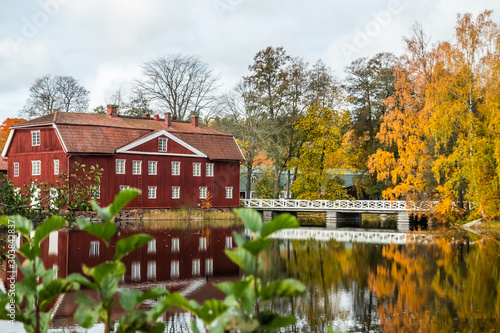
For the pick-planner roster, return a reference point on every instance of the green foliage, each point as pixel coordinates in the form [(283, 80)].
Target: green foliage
[(264, 185)]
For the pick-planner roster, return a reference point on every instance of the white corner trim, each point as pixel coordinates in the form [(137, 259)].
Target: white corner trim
[(61, 141), (237, 145), (126, 149), (7, 144)]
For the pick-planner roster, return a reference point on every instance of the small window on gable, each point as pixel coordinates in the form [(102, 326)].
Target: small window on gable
[(16, 169), (35, 138), (162, 144), (56, 167)]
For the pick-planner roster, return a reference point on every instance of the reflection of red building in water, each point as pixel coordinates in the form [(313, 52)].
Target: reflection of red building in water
[(173, 254), (179, 260)]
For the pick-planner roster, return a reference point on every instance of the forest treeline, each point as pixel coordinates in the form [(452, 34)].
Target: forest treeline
[(422, 126)]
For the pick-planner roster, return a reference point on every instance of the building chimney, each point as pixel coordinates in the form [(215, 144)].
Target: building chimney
[(112, 110), (156, 117), (194, 121), (168, 119)]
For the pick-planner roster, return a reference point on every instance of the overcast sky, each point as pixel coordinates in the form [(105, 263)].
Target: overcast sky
[(103, 43)]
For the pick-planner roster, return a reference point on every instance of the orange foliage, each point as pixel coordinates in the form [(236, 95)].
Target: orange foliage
[(5, 129)]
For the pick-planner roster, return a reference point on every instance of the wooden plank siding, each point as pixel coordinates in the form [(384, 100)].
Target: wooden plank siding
[(226, 173)]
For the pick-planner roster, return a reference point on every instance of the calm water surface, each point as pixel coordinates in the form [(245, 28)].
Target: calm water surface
[(444, 284)]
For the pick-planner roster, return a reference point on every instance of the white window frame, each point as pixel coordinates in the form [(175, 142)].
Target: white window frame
[(229, 192), (152, 246), (35, 138), (95, 192), (56, 167), (16, 169), (209, 169), (176, 168), (94, 248), (196, 169), (229, 242), (151, 270), (175, 245), (120, 167), (36, 168), (174, 268), (195, 268), (162, 145), (136, 167), (152, 192), (203, 244), (54, 242), (176, 192), (135, 271), (203, 192), (152, 168), (209, 266), (124, 187)]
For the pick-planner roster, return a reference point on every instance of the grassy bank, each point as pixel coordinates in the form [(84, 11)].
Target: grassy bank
[(189, 219)]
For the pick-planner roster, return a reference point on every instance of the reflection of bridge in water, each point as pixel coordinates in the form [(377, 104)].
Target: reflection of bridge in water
[(355, 236), (337, 210)]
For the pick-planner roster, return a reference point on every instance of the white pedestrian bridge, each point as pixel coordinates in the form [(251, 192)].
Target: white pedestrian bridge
[(338, 211)]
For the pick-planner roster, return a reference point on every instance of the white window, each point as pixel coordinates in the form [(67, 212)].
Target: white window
[(196, 267), (229, 192), (203, 244), (95, 192), (53, 194), (176, 192), (56, 167), (35, 196), (94, 249), (229, 242), (135, 271), (203, 192), (152, 246), (176, 168), (196, 169), (136, 167), (35, 138), (174, 268), (124, 187), (16, 169), (175, 244), (151, 270), (56, 268), (36, 168), (54, 242), (151, 192), (152, 167), (162, 144), (209, 266), (209, 169), (120, 167)]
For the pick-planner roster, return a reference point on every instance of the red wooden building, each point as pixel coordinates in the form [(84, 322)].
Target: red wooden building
[(175, 164)]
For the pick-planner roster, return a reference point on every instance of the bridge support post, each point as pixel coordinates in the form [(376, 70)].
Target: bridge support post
[(267, 215), (403, 221), (331, 219)]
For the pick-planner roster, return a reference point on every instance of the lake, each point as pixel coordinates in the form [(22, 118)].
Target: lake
[(357, 280)]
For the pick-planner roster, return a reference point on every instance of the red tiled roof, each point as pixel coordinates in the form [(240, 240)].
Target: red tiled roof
[(97, 133)]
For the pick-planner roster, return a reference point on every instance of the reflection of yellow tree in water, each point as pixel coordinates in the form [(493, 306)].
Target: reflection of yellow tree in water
[(327, 268), (444, 287)]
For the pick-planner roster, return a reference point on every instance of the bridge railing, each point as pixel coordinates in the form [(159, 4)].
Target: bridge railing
[(372, 205)]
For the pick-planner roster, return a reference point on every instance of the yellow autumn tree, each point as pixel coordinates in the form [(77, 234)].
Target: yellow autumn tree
[(320, 157), (405, 162)]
